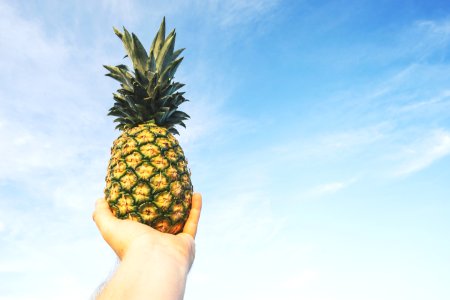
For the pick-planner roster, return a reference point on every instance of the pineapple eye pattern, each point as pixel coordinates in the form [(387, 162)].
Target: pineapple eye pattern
[(149, 180)]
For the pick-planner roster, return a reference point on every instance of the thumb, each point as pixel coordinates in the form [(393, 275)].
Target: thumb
[(103, 217)]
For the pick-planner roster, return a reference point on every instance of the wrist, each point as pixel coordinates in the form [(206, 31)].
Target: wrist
[(149, 269), (147, 253)]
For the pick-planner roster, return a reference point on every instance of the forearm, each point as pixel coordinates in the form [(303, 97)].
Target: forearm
[(156, 274)]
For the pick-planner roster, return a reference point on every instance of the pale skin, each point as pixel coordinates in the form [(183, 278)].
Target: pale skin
[(153, 265)]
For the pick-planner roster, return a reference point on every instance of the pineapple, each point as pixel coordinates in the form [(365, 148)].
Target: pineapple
[(147, 177)]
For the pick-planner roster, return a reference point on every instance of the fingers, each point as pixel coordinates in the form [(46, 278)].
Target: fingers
[(192, 222), (103, 217)]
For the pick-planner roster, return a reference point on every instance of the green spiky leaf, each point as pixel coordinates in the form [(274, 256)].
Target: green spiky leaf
[(148, 93), (165, 53), (159, 39)]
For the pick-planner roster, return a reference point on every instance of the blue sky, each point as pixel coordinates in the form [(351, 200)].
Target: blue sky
[(319, 138)]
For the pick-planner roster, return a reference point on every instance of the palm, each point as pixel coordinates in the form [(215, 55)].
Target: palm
[(124, 235)]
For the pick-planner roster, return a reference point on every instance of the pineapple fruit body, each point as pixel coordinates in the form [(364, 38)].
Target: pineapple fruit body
[(148, 179)]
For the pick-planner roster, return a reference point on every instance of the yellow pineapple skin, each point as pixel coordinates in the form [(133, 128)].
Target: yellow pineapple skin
[(148, 179)]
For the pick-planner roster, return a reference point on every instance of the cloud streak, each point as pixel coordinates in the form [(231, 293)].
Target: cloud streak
[(237, 12), (423, 153), (330, 188)]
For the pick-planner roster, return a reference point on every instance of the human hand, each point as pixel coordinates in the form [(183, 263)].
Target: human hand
[(153, 264), (125, 236)]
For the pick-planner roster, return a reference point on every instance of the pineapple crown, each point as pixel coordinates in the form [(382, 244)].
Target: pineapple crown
[(148, 94)]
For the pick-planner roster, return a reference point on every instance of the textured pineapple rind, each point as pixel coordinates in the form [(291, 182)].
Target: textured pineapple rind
[(148, 179)]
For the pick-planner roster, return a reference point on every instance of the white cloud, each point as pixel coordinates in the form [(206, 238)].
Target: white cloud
[(26, 47), (420, 41), (436, 26), (443, 98), (437, 31), (226, 13), (47, 107), (424, 152), (353, 138), (127, 11), (330, 188), (236, 12), (332, 145)]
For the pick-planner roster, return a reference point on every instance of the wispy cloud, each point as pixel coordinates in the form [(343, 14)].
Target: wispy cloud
[(420, 41), (128, 11), (436, 32), (237, 12), (440, 27), (331, 145), (224, 14), (442, 99), (50, 119), (330, 188), (424, 152)]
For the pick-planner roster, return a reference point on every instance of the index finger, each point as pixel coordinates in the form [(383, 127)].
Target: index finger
[(192, 222)]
